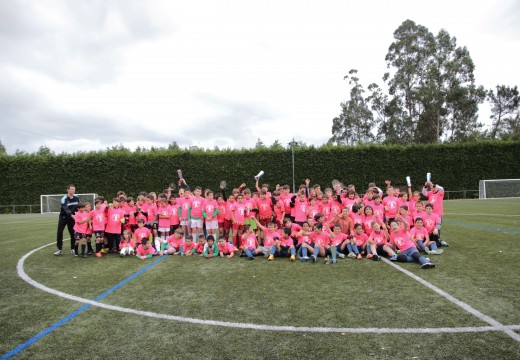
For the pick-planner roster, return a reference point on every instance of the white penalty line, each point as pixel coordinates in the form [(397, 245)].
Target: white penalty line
[(495, 324), (306, 329)]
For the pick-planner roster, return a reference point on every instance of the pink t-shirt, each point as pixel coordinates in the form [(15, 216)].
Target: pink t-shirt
[(184, 204), (230, 207), (322, 239), (392, 203), (227, 248), (436, 200), (379, 211), (125, 243), (269, 237), (402, 240), (250, 204), (431, 221), (239, 213), (81, 228), (338, 239), (286, 241), (348, 202), (141, 233), (209, 207), (250, 241), (300, 209), (164, 211), (356, 218), (99, 220), (286, 198), (130, 212), (152, 212), (174, 214), (419, 234), (367, 223), (142, 208), (265, 210), (378, 237), (221, 216), (186, 248), (175, 241), (196, 204), (141, 251), (279, 209), (114, 217), (304, 238), (335, 209), (360, 239)]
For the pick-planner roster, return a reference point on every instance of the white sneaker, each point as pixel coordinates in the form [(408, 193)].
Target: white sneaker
[(341, 256), (57, 253)]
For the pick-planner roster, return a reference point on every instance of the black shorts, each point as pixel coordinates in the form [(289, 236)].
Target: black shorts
[(99, 234), (79, 236)]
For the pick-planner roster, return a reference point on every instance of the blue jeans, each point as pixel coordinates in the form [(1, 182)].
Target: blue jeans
[(409, 252)]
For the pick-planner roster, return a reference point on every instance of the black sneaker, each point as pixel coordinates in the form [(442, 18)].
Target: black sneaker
[(376, 257), (428, 266)]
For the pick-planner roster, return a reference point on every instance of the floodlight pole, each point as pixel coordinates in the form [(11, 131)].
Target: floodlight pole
[(293, 143)]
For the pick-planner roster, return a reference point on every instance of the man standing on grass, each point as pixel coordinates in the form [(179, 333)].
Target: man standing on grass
[(69, 203)]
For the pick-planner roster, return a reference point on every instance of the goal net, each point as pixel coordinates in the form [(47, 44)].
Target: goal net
[(499, 188), (52, 203)]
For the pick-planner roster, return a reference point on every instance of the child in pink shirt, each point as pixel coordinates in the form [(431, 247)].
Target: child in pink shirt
[(81, 219), (127, 245), (249, 243), (145, 250), (226, 249), (408, 251)]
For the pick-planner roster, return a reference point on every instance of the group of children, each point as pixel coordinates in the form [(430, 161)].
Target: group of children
[(332, 223)]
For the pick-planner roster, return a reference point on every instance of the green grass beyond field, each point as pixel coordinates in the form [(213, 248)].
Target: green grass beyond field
[(300, 306)]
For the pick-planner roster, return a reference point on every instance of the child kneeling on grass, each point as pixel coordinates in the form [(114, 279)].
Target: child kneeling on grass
[(145, 250)]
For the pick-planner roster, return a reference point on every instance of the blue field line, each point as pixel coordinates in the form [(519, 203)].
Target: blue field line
[(71, 316), (481, 227)]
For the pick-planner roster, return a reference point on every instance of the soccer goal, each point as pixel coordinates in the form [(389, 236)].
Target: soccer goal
[(52, 203), (499, 188)]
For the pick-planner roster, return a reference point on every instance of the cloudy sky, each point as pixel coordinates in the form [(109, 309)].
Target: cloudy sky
[(86, 75)]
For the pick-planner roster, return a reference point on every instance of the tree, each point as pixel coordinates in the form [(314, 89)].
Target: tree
[(259, 144), (174, 146), (433, 84), (356, 121), (505, 109), (2, 149), (44, 150), (276, 145)]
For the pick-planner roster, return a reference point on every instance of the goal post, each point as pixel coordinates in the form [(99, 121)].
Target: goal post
[(499, 188), (52, 203)]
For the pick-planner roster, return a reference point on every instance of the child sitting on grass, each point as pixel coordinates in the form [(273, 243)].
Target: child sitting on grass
[(145, 250), (127, 245)]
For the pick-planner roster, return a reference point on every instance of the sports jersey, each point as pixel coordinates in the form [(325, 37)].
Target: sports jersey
[(392, 203), (361, 239), (164, 211), (419, 234), (378, 237), (226, 248), (240, 213), (141, 233), (81, 228), (269, 237), (98, 220), (265, 210), (250, 241), (210, 208), (431, 221), (114, 216), (338, 239), (125, 243), (322, 239), (175, 241), (141, 251), (196, 206), (402, 240)]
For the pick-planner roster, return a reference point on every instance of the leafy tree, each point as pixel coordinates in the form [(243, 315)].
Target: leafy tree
[(44, 150), (433, 85), (2, 149), (174, 146), (356, 121), (505, 110), (259, 144), (276, 145)]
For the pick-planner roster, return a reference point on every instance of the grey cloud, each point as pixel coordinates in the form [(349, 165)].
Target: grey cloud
[(84, 53)]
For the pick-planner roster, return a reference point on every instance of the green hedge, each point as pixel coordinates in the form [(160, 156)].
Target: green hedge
[(456, 166)]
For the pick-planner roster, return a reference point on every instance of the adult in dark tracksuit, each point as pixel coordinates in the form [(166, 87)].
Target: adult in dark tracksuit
[(69, 203)]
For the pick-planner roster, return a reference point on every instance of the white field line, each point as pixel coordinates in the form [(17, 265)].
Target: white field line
[(468, 308), (471, 214), (474, 329)]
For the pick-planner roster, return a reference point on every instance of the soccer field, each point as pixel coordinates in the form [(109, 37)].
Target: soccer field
[(468, 307)]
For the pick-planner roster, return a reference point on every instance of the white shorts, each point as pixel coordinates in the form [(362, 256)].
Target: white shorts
[(185, 223), (266, 250), (166, 230), (212, 225), (196, 223)]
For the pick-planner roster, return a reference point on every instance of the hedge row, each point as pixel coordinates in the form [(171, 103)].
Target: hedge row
[(456, 166)]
